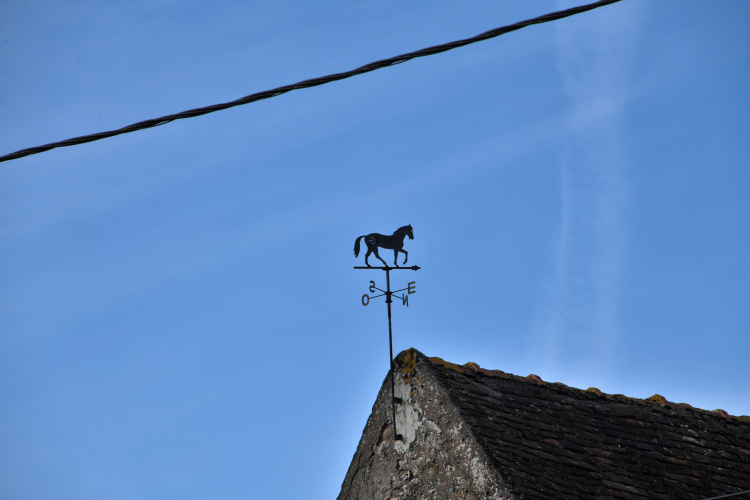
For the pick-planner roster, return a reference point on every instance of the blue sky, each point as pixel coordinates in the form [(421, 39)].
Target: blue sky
[(179, 317)]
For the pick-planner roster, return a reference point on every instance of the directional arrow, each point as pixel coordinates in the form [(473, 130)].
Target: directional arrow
[(413, 268)]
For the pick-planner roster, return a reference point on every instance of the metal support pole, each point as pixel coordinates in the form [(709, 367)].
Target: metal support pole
[(389, 299), (390, 345)]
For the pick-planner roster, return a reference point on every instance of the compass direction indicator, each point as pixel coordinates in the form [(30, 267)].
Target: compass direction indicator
[(395, 243)]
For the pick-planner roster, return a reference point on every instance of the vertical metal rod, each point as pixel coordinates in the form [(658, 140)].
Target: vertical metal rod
[(390, 345)]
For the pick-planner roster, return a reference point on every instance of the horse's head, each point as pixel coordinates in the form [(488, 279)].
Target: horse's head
[(404, 231)]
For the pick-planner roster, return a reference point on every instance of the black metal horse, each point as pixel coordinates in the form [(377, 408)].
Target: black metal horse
[(394, 242)]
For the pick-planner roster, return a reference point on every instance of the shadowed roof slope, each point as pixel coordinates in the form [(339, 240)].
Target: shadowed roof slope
[(548, 440)]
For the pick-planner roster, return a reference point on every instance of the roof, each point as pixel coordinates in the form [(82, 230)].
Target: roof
[(549, 440), (472, 433)]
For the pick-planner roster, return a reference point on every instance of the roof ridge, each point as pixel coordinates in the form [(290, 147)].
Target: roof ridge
[(472, 368)]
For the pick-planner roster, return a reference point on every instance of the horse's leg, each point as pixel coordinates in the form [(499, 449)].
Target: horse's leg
[(369, 251), (406, 255), (395, 256), (378, 256)]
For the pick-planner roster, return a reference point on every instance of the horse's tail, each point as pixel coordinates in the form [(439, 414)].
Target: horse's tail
[(356, 246)]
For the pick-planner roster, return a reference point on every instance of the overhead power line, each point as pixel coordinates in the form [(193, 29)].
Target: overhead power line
[(267, 94)]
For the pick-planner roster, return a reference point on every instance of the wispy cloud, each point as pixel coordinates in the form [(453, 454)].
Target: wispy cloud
[(579, 321)]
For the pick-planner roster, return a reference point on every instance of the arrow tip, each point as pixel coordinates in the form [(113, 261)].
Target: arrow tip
[(416, 268)]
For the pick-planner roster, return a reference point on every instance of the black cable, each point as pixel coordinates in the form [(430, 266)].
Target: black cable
[(308, 83)]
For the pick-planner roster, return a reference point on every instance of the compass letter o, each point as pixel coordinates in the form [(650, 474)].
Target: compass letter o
[(365, 299)]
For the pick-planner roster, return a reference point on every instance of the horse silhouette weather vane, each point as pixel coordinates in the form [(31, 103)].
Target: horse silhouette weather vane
[(394, 242)]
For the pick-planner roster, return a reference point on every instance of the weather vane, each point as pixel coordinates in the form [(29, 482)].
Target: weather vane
[(393, 242)]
